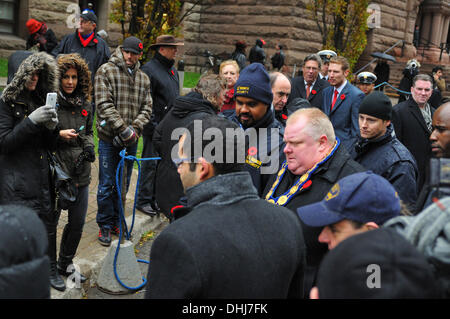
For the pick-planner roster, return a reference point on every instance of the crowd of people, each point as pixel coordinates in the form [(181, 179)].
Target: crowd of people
[(331, 197)]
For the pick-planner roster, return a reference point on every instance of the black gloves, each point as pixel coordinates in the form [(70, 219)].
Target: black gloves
[(90, 153), (87, 155)]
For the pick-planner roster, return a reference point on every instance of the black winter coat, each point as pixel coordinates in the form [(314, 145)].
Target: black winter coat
[(24, 166), (231, 245), (165, 87), (72, 116), (51, 41), (388, 157), (335, 168), (278, 60), (240, 58), (185, 110), (24, 264), (257, 53), (95, 53), (296, 104), (411, 131), (265, 156)]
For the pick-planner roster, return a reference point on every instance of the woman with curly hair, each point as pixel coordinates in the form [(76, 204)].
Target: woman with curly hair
[(75, 152)]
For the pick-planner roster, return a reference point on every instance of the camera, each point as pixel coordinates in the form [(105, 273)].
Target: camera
[(438, 183)]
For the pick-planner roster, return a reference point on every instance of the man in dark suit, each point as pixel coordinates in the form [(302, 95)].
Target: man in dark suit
[(412, 121), (229, 243), (309, 86), (341, 102)]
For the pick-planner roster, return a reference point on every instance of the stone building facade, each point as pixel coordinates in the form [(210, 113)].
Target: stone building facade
[(59, 15), (217, 25)]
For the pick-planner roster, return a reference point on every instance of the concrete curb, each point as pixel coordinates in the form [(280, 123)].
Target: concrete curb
[(91, 260)]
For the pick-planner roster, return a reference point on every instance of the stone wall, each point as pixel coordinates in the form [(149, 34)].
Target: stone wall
[(218, 27)]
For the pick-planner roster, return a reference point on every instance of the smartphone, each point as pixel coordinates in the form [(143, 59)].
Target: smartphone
[(80, 129), (51, 99)]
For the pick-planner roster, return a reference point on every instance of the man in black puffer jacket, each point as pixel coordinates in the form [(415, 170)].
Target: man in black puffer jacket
[(165, 87), (257, 54), (264, 134), (24, 264), (378, 150), (205, 100)]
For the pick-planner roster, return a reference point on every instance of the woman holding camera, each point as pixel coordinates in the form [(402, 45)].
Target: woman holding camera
[(28, 131)]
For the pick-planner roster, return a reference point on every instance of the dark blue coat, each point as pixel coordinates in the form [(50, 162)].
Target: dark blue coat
[(260, 163), (95, 53), (388, 157), (344, 115)]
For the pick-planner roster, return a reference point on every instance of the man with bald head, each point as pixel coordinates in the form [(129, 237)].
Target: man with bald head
[(440, 136), (281, 88), (440, 148)]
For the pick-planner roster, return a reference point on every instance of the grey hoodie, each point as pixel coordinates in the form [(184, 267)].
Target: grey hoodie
[(429, 231)]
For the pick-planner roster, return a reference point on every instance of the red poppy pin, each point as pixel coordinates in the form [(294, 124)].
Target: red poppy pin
[(284, 116), (141, 46), (252, 151), (307, 184), (173, 73), (95, 41), (313, 92), (342, 96), (84, 113)]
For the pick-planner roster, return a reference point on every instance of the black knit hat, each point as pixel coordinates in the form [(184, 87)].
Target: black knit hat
[(378, 264), (132, 44), (378, 105)]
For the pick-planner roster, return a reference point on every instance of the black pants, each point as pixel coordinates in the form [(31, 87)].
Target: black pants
[(146, 192), (72, 230)]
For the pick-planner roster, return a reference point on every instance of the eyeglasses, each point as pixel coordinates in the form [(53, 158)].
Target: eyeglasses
[(179, 161)]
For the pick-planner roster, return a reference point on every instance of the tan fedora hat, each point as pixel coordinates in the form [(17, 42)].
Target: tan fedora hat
[(165, 40)]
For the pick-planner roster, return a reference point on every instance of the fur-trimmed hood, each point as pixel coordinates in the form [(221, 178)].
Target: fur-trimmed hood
[(48, 77), (74, 60)]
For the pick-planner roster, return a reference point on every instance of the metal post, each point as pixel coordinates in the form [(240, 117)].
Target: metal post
[(124, 197)]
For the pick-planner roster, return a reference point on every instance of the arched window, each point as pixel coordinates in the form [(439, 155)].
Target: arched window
[(8, 16)]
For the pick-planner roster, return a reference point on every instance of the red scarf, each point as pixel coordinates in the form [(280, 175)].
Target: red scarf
[(84, 42)]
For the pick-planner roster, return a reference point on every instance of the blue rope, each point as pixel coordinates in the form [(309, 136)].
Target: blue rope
[(403, 92), (119, 174)]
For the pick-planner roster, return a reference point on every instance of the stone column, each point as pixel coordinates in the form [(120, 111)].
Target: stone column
[(445, 30), (436, 29), (425, 28)]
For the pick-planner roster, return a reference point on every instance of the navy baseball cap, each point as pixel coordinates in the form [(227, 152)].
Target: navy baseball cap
[(89, 16), (361, 197)]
